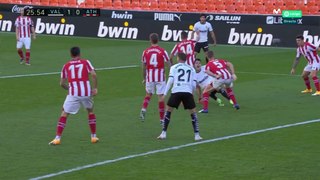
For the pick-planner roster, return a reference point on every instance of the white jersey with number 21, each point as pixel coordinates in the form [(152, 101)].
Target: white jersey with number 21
[(183, 78)]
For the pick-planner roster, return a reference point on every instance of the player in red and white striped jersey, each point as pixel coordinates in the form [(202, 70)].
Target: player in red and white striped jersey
[(24, 28), (309, 51), (185, 46), (75, 79), (224, 74), (153, 65)]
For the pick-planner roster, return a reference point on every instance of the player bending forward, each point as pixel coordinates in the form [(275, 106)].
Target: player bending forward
[(76, 73), (182, 77), (203, 80), (185, 46), (309, 51), (219, 69)]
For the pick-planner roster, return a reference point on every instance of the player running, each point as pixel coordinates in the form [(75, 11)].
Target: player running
[(203, 80), (76, 73), (24, 28), (309, 51), (224, 73), (185, 46), (182, 77), (153, 73)]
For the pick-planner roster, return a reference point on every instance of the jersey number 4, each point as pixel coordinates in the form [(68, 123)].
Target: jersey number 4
[(187, 50), (76, 70), (154, 60), (184, 76)]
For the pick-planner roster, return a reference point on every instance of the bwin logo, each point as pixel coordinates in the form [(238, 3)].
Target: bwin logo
[(124, 15), (54, 28), (5, 25)]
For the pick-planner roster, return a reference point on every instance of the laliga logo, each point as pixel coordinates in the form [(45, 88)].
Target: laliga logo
[(16, 8)]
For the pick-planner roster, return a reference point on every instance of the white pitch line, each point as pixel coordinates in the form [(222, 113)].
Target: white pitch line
[(50, 73), (263, 73), (173, 148)]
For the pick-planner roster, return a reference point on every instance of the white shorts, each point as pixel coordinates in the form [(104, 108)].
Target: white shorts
[(72, 103), (222, 83), (26, 42), (312, 67), (160, 86)]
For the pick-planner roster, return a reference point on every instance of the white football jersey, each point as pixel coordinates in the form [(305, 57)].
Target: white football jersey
[(204, 29), (202, 78), (183, 77)]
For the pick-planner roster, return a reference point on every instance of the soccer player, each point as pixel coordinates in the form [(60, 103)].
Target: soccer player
[(185, 46), (75, 78), (24, 28), (309, 51), (153, 73), (224, 73), (203, 80), (182, 77), (201, 28)]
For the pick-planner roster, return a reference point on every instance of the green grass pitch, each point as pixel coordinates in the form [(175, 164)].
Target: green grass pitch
[(267, 94)]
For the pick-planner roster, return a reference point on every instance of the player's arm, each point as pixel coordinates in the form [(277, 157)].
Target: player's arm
[(231, 68), (144, 73), (169, 82), (212, 74), (213, 36), (198, 91), (295, 63), (63, 83), (17, 33), (94, 90), (33, 32)]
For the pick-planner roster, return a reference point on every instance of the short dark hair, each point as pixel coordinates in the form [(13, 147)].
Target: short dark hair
[(300, 37), (203, 15), (75, 51), (197, 59), (182, 56), (184, 35), (154, 38), (210, 54)]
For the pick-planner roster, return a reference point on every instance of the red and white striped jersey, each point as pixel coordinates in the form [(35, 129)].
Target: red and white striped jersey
[(77, 72), (187, 47), (219, 66), (154, 58), (309, 51), (24, 24)]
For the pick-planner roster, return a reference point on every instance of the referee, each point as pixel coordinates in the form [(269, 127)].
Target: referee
[(201, 28)]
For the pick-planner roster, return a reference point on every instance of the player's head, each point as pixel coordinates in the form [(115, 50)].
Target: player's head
[(197, 64), (210, 55), (203, 18), (21, 11), (181, 57), (75, 52), (154, 38), (300, 40), (184, 35)]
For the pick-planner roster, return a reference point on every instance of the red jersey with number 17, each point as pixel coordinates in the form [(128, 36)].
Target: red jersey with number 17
[(154, 58), (77, 72), (219, 66)]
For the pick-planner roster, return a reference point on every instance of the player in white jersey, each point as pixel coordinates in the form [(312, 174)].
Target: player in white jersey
[(202, 28), (182, 76), (203, 80), (309, 51), (24, 28)]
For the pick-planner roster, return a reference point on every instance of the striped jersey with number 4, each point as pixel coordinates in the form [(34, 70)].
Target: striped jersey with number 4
[(154, 58), (183, 78), (186, 47), (219, 66), (77, 72)]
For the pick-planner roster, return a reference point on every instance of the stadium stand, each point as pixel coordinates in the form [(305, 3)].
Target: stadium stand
[(312, 7)]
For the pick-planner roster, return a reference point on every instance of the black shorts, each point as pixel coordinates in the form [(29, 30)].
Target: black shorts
[(184, 97), (202, 45)]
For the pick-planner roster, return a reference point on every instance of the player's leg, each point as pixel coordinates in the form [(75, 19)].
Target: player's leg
[(161, 87), (189, 104), (173, 102), (314, 72), (305, 77), (150, 86), (87, 102), (231, 95), (215, 85), (27, 45), (218, 100), (71, 106), (19, 50), (197, 49), (205, 48)]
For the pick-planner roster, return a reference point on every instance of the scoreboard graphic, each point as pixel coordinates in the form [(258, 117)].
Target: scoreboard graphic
[(61, 12)]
